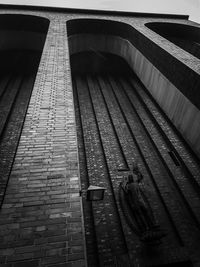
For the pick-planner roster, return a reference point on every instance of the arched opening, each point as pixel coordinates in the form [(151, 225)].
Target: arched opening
[(118, 122), (96, 62), (22, 39), (185, 36)]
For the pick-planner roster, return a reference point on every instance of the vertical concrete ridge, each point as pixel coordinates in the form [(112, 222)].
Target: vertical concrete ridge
[(41, 217)]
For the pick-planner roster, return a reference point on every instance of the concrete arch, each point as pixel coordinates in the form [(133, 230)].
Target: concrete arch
[(20, 32), (123, 40), (184, 31), (99, 26), (101, 35), (185, 36)]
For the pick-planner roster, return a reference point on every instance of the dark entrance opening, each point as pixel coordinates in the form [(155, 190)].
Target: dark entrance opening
[(117, 123), (22, 41), (95, 62), (185, 36)]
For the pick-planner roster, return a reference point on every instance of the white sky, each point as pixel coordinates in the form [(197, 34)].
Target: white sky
[(186, 7)]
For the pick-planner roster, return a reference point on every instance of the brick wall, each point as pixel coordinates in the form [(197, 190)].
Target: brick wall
[(41, 217)]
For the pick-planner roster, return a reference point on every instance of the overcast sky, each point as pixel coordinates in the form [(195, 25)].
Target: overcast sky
[(187, 7)]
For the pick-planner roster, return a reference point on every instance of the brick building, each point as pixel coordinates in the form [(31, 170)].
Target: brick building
[(82, 95)]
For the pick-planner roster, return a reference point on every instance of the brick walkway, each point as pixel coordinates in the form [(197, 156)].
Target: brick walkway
[(41, 217)]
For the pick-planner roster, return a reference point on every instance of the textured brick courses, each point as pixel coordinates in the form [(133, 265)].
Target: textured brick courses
[(42, 210), (97, 176), (43, 145), (168, 194)]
